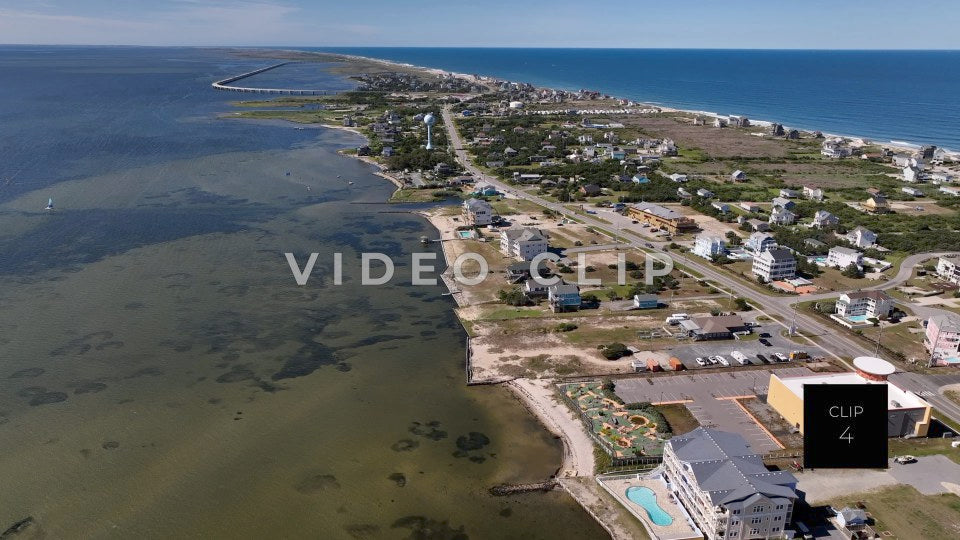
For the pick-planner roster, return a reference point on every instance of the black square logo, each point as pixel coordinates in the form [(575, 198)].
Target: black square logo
[(845, 426)]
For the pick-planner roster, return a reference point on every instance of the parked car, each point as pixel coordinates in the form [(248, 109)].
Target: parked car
[(723, 361), (739, 357), (781, 357), (903, 460), (765, 342), (700, 361), (763, 359)]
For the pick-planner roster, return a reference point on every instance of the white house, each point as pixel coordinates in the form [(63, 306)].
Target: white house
[(948, 268), (862, 237), (738, 176), (867, 303), (724, 486), (950, 190), (678, 178), (783, 202), (721, 206), (753, 208), (775, 264), (911, 174), (813, 193), (477, 212), (760, 242), (782, 216), (842, 257), (523, 243), (709, 246), (912, 191), (706, 193), (789, 193), (825, 219)]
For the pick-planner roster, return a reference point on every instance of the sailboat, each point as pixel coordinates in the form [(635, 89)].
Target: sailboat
[(50, 204)]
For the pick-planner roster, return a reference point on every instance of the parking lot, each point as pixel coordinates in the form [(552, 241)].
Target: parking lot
[(708, 396), (751, 347)]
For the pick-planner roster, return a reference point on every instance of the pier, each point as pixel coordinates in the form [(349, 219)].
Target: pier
[(225, 84)]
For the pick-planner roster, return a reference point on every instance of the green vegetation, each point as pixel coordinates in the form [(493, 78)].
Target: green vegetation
[(906, 513)]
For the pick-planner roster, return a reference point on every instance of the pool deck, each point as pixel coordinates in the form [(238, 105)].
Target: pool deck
[(682, 527)]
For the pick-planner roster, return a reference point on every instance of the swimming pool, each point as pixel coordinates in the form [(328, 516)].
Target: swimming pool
[(646, 498), (465, 234), (857, 318)]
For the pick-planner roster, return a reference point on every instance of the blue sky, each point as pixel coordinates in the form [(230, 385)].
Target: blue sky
[(768, 24)]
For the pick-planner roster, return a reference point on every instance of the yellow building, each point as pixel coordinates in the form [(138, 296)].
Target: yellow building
[(660, 217), (908, 414), (876, 204)]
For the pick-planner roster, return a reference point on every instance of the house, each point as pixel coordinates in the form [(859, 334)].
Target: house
[(524, 243), (814, 243), (678, 178), (823, 219), (753, 208), (783, 202), (760, 242), (813, 193), (534, 288), (510, 152), (942, 340), (660, 217), (758, 225), (715, 327), (832, 149), (520, 271), (667, 148), (705, 193), (789, 193), (912, 191), (485, 190), (387, 151), (774, 265), (477, 212), (722, 207), (876, 204), (683, 193), (719, 122), (842, 257), (948, 268), (738, 176), (851, 519), (709, 246), (590, 190), (907, 413), (363, 150), (871, 304), (739, 121), (902, 160), (950, 191), (862, 237), (645, 301), (723, 485), (911, 174), (563, 297), (782, 216)]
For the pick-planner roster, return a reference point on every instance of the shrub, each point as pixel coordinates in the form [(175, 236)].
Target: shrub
[(615, 351), (565, 327)]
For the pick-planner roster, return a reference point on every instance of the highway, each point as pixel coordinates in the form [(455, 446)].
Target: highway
[(834, 340)]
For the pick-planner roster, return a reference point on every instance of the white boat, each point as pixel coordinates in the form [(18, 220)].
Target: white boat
[(351, 183), (50, 204)]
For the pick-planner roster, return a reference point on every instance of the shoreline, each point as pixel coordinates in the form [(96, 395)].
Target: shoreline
[(893, 144)]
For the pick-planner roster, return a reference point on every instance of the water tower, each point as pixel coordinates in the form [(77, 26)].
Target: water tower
[(429, 120)]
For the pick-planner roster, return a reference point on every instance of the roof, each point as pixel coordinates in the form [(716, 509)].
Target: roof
[(716, 325), (725, 466), (524, 234), (844, 250), (564, 288), (876, 295), (823, 214), (778, 254), (874, 366), (477, 204), (658, 210), (897, 398), (645, 297)]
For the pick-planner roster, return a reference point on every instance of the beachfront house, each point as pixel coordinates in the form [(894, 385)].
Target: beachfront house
[(823, 219), (709, 246), (862, 237), (774, 265), (523, 243), (724, 486), (564, 297), (869, 304), (760, 242), (477, 212), (842, 257)]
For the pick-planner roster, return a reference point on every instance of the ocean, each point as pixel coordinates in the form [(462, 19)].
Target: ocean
[(907, 96), (161, 373)]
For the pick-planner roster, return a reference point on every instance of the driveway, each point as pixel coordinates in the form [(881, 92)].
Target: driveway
[(928, 475)]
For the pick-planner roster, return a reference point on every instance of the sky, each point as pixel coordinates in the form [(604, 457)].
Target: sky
[(731, 24)]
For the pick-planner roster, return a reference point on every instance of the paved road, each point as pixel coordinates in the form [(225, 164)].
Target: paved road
[(778, 306)]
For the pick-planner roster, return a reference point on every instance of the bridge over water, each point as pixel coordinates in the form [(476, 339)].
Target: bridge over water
[(225, 84)]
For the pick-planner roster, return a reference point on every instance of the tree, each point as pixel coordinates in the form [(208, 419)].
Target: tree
[(614, 351), (852, 271), (742, 304), (734, 238), (514, 297)]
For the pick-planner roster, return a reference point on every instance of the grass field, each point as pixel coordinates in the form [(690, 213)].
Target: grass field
[(907, 514), (679, 417), (923, 447)]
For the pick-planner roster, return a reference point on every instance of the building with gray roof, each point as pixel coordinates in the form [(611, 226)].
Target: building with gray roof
[(725, 487)]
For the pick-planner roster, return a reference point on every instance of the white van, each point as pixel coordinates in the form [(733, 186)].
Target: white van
[(676, 318), (739, 357)]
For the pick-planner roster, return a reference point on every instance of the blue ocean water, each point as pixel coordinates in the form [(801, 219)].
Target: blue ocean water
[(883, 95)]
